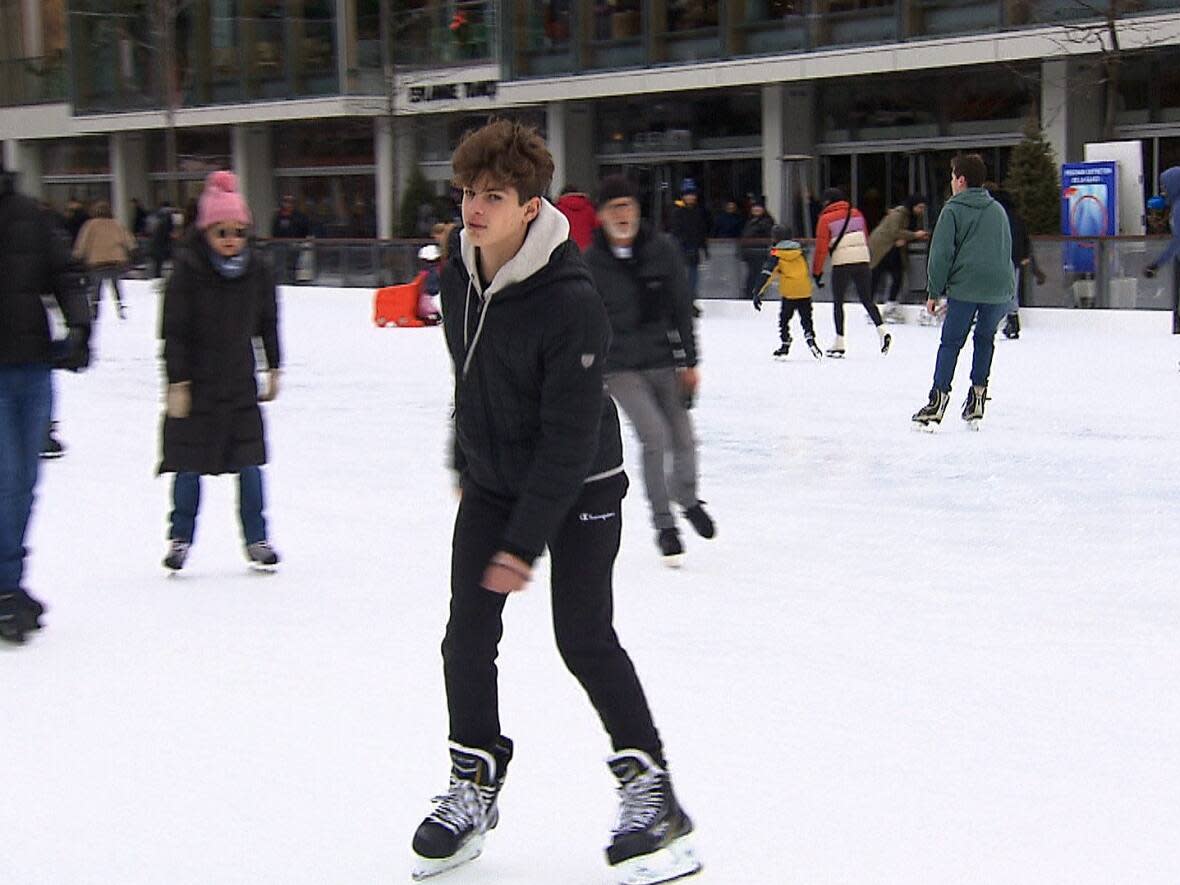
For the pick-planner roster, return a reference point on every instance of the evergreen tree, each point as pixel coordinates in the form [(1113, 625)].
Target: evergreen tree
[(1034, 182), (417, 192)]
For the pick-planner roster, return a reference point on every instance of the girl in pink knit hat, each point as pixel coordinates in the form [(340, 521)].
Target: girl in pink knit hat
[(220, 297)]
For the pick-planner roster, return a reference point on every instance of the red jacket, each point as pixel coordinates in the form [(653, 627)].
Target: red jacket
[(582, 215)]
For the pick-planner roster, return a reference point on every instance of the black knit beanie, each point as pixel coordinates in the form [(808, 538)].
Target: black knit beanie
[(615, 187)]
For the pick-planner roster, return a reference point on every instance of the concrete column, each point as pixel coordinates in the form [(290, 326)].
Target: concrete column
[(34, 34), (251, 146), (788, 129), (129, 174), (24, 158), (383, 149), (569, 132), (1071, 106)]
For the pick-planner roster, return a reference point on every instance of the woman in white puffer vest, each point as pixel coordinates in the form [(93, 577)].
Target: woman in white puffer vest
[(841, 231)]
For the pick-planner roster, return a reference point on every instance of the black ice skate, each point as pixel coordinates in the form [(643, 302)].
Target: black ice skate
[(177, 554), (702, 522), (262, 556), (886, 340), (783, 350), (453, 833), (814, 348), (13, 622), (973, 406), (650, 841), (1012, 326), (671, 548), (930, 415), (51, 448)]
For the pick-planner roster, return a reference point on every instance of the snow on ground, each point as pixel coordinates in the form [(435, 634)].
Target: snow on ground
[(906, 658)]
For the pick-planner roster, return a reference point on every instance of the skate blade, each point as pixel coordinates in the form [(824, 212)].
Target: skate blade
[(674, 561), (429, 867), (835, 354), (675, 861), (264, 569), (973, 424), (925, 426)]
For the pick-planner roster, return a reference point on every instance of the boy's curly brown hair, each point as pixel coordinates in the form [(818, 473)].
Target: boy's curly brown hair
[(506, 153)]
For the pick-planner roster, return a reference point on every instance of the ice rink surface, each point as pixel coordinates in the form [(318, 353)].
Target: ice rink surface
[(907, 658)]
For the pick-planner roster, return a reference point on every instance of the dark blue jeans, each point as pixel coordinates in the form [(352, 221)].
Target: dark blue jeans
[(955, 328), (186, 501), (26, 402)]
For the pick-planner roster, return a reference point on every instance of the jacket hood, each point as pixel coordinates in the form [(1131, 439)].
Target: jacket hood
[(548, 231), (576, 201), (973, 198), (1170, 182)]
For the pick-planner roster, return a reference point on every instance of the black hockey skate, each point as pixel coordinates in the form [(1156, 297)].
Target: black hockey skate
[(262, 556), (814, 348), (177, 554), (650, 841), (1012, 326), (886, 340), (51, 448), (930, 415), (452, 834), (702, 523), (13, 623), (973, 407), (783, 350), (668, 540)]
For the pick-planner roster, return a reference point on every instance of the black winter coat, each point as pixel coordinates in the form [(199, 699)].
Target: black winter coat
[(34, 261), (533, 421), (647, 301), (690, 226), (209, 324)]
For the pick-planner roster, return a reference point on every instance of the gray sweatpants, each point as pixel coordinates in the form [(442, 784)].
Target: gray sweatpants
[(652, 401)]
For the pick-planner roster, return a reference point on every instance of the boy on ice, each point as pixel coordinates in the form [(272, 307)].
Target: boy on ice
[(539, 457), (787, 268)]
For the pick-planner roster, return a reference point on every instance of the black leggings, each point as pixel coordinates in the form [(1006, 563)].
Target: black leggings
[(787, 306), (858, 276), (583, 555)]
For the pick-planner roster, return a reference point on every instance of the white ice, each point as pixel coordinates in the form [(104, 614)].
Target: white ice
[(906, 658)]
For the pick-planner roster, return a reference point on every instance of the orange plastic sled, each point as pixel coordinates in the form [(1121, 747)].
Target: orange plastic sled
[(398, 305)]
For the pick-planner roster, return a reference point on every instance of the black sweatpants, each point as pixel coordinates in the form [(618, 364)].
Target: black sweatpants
[(890, 264), (858, 275), (583, 555), (787, 307)]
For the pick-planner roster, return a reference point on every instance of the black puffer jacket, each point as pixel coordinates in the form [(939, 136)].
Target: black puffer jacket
[(209, 325), (34, 261), (647, 300), (533, 422)]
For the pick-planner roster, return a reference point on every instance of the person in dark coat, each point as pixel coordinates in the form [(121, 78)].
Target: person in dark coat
[(651, 368), (161, 226), (729, 222), (37, 278), (220, 297), (289, 224), (1023, 258), (540, 465), (690, 225)]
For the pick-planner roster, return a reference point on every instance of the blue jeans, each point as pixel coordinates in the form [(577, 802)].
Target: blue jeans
[(955, 327), (186, 501), (26, 402)]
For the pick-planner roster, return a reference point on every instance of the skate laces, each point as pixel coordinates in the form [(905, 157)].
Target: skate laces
[(464, 806), (641, 799)]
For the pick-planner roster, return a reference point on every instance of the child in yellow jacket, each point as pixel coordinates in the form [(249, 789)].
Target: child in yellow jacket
[(786, 267)]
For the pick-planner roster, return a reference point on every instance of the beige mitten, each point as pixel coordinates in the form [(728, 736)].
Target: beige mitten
[(271, 390), (178, 400)]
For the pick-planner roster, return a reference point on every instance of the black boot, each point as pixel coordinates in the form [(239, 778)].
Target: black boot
[(650, 840), (1012, 326), (453, 832)]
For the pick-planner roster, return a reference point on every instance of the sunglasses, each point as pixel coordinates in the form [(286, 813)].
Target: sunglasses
[(229, 233)]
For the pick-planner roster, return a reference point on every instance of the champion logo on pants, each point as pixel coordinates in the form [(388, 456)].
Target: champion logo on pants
[(594, 517)]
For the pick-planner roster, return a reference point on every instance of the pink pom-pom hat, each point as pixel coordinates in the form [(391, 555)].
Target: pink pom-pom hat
[(220, 201)]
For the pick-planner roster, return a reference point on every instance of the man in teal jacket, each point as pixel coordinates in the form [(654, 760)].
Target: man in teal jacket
[(970, 265)]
